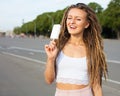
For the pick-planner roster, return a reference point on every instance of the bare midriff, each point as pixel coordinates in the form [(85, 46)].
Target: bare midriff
[(70, 86)]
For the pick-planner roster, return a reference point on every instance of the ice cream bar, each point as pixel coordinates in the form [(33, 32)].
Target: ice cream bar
[(55, 31)]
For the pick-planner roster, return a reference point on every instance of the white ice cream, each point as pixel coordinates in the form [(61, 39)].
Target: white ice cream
[(55, 31)]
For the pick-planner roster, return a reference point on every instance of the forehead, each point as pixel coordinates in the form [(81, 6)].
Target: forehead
[(77, 12)]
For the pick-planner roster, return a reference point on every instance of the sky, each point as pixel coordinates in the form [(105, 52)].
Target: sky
[(13, 12)]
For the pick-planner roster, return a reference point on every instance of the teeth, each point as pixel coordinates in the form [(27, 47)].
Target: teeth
[(72, 27)]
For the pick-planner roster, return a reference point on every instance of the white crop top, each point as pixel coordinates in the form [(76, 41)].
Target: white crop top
[(71, 70)]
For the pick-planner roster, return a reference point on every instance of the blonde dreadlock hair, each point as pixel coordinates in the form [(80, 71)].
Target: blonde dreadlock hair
[(97, 66)]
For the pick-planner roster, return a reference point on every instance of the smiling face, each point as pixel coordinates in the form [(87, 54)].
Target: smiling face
[(76, 21)]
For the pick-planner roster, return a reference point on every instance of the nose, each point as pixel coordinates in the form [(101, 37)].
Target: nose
[(72, 21)]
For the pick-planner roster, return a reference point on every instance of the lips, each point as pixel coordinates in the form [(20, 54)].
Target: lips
[(72, 27)]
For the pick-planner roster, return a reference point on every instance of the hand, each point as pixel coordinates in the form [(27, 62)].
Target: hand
[(51, 50)]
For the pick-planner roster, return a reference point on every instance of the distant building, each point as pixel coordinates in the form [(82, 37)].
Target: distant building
[(2, 33), (10, 33)]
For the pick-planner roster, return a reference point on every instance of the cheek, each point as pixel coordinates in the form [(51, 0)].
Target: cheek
[(81, 24), (67, 22)]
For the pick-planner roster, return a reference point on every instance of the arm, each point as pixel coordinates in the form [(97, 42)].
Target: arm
[(51, 51), (49, 71), (97, 90)]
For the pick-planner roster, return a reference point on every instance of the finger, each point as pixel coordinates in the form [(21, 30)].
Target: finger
[(51, 47), (53, 42), (47, 48)]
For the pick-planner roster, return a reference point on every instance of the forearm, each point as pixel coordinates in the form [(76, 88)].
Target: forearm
[(50, 71), (97, 90)]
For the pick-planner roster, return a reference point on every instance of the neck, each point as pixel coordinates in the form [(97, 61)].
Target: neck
[(76, 40)]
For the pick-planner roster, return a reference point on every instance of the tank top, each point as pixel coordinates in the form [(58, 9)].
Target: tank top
[(71, 70)]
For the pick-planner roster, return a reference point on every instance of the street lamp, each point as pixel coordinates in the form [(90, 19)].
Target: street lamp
[(34, 29), (25, 26), (51, 19)]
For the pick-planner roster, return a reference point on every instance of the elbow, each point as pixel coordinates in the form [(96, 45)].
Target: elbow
[(49, 81)]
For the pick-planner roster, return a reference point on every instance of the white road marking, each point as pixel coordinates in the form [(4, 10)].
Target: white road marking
[(113, 61), (31, 53), (113, 81), (26, 58), (41, 51), (26, 49), (41, 62)]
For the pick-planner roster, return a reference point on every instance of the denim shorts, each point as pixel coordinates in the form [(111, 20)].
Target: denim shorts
[(79, 92)]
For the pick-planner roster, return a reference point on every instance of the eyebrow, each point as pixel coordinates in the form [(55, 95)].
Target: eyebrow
[(75, 16)]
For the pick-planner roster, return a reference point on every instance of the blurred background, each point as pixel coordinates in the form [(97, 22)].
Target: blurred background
[(25, 27), (33, 19)]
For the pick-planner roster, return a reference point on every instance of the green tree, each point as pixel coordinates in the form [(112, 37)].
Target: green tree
[(58, 16), (17, 30), (44, 23), (98, 10), (96, 7), (111, 18)]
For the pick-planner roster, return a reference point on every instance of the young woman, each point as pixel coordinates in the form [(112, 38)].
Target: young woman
[(76, 60)]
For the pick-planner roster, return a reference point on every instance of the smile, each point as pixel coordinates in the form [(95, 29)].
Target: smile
[(73, 27)]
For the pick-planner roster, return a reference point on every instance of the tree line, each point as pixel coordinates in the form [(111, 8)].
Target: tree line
[(109, 19)]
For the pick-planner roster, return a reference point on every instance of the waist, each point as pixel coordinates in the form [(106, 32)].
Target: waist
[(72, 81), (69, 86)]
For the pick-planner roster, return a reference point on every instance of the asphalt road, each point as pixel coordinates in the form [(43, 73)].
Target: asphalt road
[(19, 77), (22, 62)]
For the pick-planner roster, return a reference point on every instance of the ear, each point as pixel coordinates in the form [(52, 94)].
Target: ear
[(87, 25)]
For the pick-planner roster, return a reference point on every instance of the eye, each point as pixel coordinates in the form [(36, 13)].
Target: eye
[(79, 19), (69, 17)]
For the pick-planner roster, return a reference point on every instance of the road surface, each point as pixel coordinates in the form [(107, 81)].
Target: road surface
[(22, 63)]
